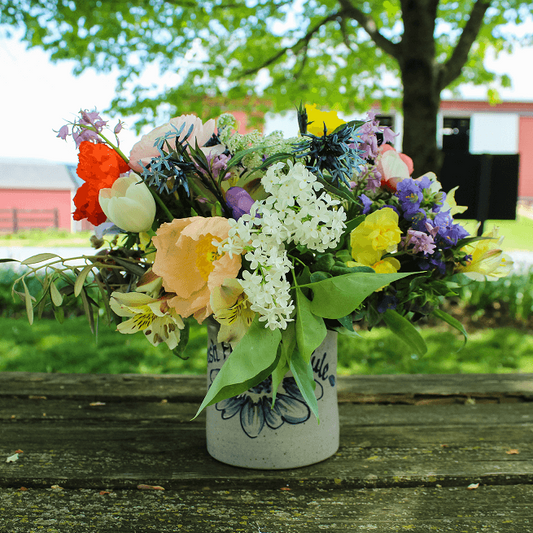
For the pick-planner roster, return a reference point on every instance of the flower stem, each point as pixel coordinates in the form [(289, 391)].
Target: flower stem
[(166, 210)]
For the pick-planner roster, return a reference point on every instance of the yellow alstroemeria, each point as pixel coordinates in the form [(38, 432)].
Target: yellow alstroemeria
[(316, 120), (488, 260), (377, 234), (159, 322), (231, 309)]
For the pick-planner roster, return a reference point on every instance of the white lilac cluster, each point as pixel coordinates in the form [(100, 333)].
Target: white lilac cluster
[(294, 212)]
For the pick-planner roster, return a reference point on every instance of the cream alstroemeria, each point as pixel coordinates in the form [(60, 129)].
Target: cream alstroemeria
[(129, 204), (488, 260), (152, 316), (451, 204), (231, 309)]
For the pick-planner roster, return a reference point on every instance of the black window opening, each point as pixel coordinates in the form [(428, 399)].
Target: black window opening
[(384, 120), (456, 134)]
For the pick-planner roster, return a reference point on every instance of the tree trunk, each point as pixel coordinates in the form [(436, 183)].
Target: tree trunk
[(421, 92)]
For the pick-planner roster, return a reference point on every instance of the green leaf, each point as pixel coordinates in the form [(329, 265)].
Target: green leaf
[(39, 258), (303, 374), (252, 361), (401, 327), (28, 302), (353, 223), (286, 348), (57, 299), (184, 340), (453, 322), (310, 329), (87, 308), (317, 276), (347, 322), (338, 296), (59, 314), (80, 280)]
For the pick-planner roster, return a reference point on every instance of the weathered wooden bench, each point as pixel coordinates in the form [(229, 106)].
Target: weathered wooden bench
[(418, 453)]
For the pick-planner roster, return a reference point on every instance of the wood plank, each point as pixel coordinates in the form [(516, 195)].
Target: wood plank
[(487, 509), (409, 388), (122, 445)]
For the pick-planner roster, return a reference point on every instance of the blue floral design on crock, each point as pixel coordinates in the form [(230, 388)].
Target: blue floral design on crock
[(254, 406)]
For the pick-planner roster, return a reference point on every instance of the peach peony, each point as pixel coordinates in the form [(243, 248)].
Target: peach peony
[(143, 151), (188, 262)]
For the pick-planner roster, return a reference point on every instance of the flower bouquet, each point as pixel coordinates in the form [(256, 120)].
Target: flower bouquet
[(276, 239)]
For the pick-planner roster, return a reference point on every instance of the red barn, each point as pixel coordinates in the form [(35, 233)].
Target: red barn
[(36, 194)]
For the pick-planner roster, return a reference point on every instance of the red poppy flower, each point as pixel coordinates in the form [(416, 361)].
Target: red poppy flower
[(99, 167)]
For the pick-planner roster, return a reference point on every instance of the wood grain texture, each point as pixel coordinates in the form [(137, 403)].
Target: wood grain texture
[(410, 447)]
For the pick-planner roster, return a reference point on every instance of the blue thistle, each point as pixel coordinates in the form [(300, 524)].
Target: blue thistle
[(168, 172), (333, 157)]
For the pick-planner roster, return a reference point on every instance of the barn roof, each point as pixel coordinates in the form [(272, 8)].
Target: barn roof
[(37, 174)]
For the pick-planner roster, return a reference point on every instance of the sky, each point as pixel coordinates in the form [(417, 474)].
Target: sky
[(38, 97)]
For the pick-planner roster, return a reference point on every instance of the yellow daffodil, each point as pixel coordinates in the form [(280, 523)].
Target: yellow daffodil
[(231, 310), (488, 260), (159, 322), (387, 265), (316, 120), (377, 234)]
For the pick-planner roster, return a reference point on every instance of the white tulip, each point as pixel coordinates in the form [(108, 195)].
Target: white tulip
[(128, 204)]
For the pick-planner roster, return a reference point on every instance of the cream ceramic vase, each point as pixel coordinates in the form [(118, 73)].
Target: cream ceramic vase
[(246, 431)]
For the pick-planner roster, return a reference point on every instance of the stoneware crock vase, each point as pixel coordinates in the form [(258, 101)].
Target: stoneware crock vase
[(245, 431)]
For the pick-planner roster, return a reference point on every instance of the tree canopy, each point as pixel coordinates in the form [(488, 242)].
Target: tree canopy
[(178, 56)]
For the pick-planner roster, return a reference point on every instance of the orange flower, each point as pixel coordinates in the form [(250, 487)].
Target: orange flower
[(99, 167), (189, 264)]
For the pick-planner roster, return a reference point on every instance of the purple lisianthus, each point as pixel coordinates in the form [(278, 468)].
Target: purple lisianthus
[(410, 196), (418, 218), (448, 232), (433, 263), (367, 203), (239, 200), (424, 182), (387, 302)]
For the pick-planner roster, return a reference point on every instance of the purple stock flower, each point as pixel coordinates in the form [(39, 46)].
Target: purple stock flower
[(239, 200), (219, 164), (421, 242)]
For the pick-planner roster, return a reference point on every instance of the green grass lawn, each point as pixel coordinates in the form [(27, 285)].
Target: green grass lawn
[(517, 235), (46, 238), (49, 347), (517, 232)]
